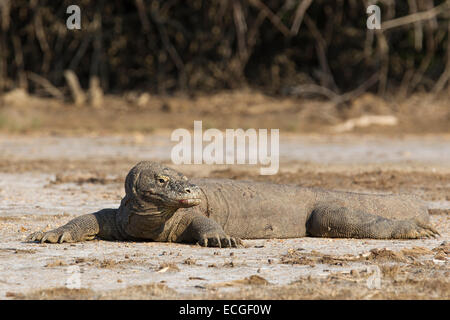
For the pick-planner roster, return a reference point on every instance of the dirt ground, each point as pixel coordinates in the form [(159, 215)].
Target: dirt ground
[(59, 161), (143, 113)]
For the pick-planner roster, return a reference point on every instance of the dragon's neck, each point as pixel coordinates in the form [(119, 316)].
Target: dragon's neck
[(139, 218)]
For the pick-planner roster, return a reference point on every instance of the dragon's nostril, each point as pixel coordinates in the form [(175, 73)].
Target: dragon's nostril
[(187, 190)]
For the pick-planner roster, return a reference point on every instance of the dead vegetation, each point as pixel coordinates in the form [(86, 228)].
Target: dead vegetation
[(314, 48)]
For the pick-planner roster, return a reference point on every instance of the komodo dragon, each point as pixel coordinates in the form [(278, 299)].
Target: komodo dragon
[(161, 204)]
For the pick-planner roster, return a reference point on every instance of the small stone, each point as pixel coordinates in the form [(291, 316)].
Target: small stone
[(354, 273)]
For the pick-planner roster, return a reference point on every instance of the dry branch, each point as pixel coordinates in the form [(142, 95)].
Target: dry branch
[(299, 14), (419, 16), (46, 85), (276, 21), (78, 94)]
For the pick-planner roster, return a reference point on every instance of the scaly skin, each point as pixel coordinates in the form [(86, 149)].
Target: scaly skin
[(161, 204)]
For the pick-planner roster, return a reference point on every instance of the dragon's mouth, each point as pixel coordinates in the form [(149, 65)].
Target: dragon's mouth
[(180, 200), (190, 202), (171, 202)]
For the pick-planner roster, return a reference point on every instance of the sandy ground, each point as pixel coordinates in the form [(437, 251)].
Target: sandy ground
[(47, 180)]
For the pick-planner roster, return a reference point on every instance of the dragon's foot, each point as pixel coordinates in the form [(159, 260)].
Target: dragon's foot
[(54, 236), (412, 229), (220, 240)]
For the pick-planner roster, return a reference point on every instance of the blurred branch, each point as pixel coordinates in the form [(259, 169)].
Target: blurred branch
[(18, 57), (418, 29), (241, 28), (425, 62), (333, 96), (46, 85), (299, 13), (276, 21), (5, 7), (41, 36), (78, 95), (419, 16), (445, 77), (327, 77)]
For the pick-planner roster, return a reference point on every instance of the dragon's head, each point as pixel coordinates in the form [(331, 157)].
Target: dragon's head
[(153, 183)]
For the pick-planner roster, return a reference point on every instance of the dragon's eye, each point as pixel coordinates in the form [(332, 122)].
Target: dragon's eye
[(162, 179)]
